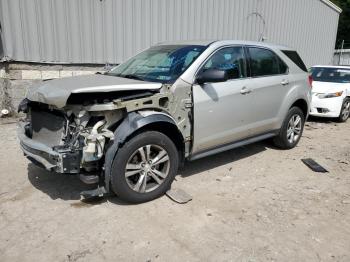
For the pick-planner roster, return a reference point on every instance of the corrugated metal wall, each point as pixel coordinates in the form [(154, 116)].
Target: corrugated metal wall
[(100, 31)]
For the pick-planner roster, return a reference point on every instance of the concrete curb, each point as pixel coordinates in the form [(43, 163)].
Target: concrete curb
[(18, 71), (44, 74)]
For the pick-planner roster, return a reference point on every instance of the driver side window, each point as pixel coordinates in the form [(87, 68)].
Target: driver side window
[(230, 59)]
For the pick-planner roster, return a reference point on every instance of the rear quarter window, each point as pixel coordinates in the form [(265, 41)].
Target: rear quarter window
[(294, 56)]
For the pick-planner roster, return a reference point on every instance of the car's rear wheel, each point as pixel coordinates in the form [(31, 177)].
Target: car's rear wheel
[(345, 110), (144, 167), (291, 130)]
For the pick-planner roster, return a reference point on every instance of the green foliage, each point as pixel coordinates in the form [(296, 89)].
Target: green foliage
[(344, 23)]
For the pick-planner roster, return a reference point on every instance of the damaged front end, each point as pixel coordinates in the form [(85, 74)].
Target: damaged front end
[(74, 139), (68, 141), (78, 129)]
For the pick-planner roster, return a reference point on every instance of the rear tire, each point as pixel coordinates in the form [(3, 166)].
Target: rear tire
[(345, 111), (144, 167), (291, 130)]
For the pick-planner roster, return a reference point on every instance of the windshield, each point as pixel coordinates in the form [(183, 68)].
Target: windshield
[(336, 75), (163, 64)]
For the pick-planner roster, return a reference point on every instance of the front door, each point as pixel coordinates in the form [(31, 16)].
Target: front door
[(223, 111)]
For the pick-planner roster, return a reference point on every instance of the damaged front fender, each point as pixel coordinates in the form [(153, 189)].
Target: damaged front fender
[(132, 122)]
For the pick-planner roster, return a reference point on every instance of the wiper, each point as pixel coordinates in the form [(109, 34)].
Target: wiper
[(132, 77)]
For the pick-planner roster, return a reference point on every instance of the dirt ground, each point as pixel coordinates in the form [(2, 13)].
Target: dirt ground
[(254, 203)]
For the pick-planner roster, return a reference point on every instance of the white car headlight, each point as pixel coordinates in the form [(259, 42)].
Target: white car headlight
[(330, 95)]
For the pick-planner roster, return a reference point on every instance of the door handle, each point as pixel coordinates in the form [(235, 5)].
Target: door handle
[(285, 82), (245, 91)]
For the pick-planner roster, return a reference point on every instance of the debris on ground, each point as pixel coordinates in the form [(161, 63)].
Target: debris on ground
[(314, 166), (99, 192), (4, 113), (77, 255), (178, 195)]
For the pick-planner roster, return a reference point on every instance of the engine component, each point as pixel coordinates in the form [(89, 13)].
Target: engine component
[(70, 162), (89, 179), (95, 142)]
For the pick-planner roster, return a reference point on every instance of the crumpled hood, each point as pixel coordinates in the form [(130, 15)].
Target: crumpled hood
[(328, 87), (56, 92)]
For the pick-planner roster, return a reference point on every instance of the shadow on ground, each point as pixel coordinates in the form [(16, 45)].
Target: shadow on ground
[(56, 186), (214, 161), (68, 187), (322, 120)]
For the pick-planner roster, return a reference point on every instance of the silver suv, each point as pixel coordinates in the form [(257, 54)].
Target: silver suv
[(131, 128)]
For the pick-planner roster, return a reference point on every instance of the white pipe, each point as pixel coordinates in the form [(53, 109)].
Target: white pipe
[(97, 126)]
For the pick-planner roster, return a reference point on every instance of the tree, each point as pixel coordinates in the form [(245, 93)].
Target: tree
[(344, 23)]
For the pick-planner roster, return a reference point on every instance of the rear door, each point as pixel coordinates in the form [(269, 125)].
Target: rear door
[(270, 84)]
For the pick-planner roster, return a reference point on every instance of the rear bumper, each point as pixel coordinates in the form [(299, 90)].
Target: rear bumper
[(328, 107), (44, 156)]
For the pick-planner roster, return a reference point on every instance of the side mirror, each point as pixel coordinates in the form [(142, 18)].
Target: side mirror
[(212, 76)]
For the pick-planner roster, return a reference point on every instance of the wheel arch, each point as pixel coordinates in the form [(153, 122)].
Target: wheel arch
[(135, 123), (303, 105), (169, 129)]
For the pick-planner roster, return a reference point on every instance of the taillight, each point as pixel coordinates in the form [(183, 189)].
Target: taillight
[(310, 81)]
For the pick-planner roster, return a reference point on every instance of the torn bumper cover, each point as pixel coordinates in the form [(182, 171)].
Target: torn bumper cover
[(60, 161)]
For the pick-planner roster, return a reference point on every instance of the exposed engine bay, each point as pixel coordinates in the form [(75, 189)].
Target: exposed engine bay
[(79, 137), (74, 139)]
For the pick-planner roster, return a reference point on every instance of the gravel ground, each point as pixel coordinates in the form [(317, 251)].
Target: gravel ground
[(255, 203)]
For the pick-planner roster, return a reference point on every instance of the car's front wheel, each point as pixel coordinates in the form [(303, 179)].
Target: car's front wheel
[(144, 167), (291, 130), (345, 110)]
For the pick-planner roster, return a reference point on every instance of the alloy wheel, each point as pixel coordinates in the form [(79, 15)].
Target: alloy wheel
[(147, 168), (294, 128), (346, 110)]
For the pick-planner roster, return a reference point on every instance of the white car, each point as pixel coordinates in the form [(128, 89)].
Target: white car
[(331, 92)]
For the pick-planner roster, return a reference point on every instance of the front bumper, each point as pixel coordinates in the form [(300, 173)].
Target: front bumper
[(63, 161), (327, 107)]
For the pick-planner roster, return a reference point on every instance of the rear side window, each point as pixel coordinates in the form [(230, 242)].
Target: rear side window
[(264, 62), (294, 56)]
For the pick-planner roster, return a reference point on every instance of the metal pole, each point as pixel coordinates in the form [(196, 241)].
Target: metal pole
[(341, 51)]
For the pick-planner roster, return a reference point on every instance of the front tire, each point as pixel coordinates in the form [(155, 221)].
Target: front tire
[(144, 167), (291, 130), (345, 111)]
